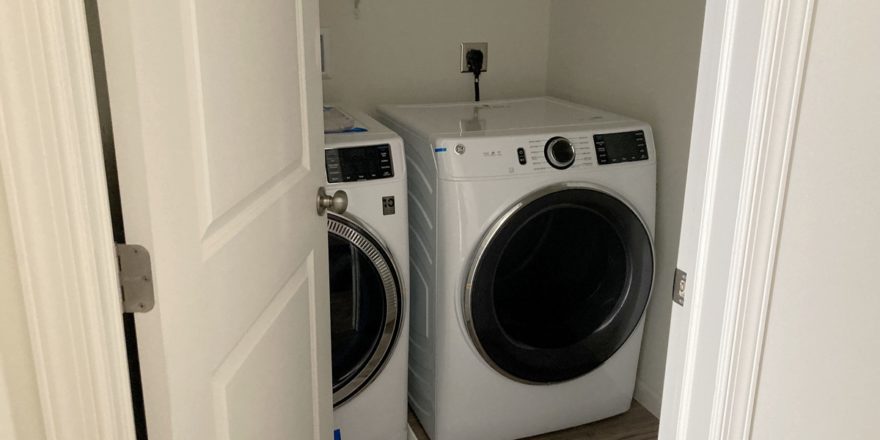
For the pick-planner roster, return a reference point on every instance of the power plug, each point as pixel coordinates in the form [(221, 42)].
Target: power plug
[(474, 59), (475, 65)]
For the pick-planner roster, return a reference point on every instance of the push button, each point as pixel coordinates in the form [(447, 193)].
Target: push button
[(521, 155)]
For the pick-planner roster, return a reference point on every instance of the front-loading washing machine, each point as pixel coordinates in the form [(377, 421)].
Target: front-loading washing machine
[(369, 280), (532, 263)]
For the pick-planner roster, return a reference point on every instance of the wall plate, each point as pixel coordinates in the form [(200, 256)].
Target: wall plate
[(465, 47)]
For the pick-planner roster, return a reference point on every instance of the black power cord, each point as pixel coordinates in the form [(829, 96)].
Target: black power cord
[(474, 59)]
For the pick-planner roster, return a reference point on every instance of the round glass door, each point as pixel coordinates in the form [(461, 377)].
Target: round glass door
[(364, 306), (558, 284)]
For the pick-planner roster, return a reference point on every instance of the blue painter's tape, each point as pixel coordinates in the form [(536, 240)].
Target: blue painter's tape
[(440, 150), (337, 434)]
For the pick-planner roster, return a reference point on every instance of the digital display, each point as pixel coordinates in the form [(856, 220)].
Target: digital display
[(359, 163), (628, 146)]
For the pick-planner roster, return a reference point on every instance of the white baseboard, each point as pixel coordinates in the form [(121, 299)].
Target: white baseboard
[(648, 397)]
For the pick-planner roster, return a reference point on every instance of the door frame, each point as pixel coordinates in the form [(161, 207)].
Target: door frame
[(748, 97), (53, 173)]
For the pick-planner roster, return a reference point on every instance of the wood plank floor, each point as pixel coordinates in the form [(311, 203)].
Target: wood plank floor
[(635, 424)]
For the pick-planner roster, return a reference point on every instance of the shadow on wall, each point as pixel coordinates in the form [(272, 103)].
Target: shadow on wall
[(638, 58)]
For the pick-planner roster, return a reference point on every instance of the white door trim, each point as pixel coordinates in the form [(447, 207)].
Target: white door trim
[(762, 176), (7, 424), (784, 42), (53, 173)]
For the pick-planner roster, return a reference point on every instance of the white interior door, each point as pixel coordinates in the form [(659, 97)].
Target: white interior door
[(216, 108)]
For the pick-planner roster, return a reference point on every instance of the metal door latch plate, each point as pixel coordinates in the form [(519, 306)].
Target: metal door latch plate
[(678, 286), (135, 278)]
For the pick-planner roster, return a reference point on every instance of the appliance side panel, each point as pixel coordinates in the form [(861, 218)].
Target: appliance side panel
[(422, 201)]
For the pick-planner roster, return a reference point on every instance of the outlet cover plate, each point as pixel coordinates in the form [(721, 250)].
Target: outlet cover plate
[(465, 47)]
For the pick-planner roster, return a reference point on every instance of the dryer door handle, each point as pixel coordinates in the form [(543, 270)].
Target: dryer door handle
[(337, 203)]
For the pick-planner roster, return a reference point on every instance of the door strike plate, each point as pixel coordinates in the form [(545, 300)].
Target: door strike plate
[(135, 278), (679, 286)]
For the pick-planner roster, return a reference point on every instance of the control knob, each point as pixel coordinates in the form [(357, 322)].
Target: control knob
[(559, 153)]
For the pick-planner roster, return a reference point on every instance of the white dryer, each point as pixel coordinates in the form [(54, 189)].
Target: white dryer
[(532, 263), (369, 280)]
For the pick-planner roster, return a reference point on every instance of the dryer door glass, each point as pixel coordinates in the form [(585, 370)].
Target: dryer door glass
[(364, 306), (558, 285)]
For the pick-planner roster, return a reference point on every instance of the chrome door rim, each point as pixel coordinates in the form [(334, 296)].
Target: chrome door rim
[(355, 232), (491, 233)]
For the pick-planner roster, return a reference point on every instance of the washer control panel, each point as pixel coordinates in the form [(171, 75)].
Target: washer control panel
[(350, 164), (628, 146)]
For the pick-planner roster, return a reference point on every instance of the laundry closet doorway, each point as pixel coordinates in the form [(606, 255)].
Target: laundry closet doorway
[(157, 113)]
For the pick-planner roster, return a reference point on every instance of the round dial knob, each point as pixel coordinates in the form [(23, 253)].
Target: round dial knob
[(559, 153)]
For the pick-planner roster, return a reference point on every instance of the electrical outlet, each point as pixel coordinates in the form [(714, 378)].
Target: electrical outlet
[(465, 47)]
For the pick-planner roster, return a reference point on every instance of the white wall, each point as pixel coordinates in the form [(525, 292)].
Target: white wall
[(407, 51), (638, 58), (20, 413), (820, 374)]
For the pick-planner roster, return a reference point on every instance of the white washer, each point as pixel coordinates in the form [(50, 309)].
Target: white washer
[(369, 280), (532, 263)]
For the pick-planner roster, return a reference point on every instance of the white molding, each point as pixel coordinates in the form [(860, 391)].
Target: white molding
[(51, 157), (784, 40), (648, 397), (710, 195), (753, 53), (7, 423)]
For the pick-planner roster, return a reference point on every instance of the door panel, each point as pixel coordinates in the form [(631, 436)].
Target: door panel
[(245, 128), (216, 111), (249, 398)]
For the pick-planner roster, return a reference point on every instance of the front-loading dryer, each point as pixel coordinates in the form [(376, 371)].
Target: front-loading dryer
[(369, 280), (532, 263)]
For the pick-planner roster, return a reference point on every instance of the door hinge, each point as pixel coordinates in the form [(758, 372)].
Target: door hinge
[(678, 286), (135, 278)]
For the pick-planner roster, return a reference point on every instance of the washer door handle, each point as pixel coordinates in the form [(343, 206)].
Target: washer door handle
[(336, 203)]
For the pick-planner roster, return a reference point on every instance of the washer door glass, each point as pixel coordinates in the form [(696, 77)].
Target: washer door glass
[(364, 306), (558, 285)]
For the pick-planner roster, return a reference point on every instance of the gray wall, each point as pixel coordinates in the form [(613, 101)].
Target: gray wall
[(638, 58), (820, 373), (407, 51)]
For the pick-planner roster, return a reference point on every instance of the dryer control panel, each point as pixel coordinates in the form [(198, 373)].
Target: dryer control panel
[(350, 164), (628, 146), (605, 148)]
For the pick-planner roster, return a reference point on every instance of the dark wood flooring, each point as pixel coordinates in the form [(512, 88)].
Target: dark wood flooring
[(635, 424)]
